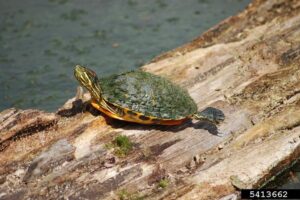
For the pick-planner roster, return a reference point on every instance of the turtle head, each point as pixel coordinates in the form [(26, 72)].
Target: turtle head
[(88, 79)]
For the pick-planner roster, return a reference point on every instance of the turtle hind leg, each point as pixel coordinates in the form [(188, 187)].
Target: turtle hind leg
[(210, 114)]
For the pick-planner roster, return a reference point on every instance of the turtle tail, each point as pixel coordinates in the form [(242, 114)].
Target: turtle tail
[(211, 114)]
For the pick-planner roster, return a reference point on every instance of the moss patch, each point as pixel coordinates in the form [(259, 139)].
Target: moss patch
[(125, 195), (121, 144), (163, 183)]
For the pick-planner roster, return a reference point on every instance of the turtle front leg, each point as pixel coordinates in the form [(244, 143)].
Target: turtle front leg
[(79, 93)]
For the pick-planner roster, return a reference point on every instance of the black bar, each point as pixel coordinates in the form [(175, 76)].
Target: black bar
[(270, 194)]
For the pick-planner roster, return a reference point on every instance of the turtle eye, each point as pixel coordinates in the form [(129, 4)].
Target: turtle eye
[(92, 73), (93, 76)]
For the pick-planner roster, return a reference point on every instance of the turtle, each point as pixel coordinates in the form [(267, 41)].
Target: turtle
[(142, 97)]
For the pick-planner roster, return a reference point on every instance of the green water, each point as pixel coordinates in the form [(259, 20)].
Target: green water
[(42, 40)]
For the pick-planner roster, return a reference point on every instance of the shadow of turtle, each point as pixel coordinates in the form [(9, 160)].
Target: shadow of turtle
[(77, 107), (206, 125)]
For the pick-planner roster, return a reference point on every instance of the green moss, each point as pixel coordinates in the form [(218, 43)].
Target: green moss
[(123, 141), (125, 195), (163, 183), (121, 145)]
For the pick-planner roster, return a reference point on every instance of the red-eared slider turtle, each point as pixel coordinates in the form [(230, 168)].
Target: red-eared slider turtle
[(141, 97)]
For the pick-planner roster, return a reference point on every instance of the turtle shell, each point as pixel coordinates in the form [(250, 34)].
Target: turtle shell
[(149, 94)]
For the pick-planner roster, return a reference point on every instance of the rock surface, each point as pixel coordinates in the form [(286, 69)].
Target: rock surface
[(248, 66)]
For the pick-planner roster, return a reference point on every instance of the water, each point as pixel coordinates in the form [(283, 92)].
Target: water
[(41, 41)]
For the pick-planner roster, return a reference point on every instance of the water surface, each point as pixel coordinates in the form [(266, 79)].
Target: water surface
[(41, 41)]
